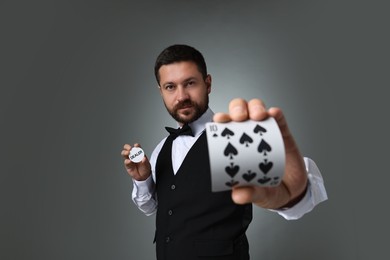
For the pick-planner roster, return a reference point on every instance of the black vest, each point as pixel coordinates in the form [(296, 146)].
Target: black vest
[(191, 220)]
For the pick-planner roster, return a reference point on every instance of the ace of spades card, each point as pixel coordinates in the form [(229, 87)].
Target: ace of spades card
[(245, 153)]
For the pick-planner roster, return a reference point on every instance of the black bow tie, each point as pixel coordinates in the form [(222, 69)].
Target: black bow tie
[(185, 130)]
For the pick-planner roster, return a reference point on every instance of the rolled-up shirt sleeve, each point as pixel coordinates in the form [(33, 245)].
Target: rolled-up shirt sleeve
[(315, 193)]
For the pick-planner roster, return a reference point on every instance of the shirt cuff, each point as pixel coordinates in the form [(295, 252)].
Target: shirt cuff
[(143, 195), (315, 193), (143, 187)]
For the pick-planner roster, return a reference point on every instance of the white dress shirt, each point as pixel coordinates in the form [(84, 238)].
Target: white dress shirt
[(144, 196)]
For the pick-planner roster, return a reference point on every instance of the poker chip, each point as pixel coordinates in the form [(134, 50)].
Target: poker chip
[(136, 154)]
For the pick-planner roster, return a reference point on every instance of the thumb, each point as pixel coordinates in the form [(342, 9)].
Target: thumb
[(243, 195)]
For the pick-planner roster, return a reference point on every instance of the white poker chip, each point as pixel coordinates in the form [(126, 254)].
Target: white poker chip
[(136, 154)]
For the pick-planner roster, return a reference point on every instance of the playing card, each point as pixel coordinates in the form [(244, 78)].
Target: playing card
[(245, 153)]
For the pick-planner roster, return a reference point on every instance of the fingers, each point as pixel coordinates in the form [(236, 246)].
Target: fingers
[(243, 195), (288, 139), (238, 110), (127, 148), (279, 117), (221, 118), (257, 110), (125, 154), (265, 197), (126, 151), (252, 194), (138, 171), (241, 110)]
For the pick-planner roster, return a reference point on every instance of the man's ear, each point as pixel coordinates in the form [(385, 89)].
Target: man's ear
[(208, 83)]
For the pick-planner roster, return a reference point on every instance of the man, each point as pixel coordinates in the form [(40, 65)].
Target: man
[(192, 222)]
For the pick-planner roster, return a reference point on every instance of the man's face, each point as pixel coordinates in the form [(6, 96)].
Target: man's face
[(184, 91)]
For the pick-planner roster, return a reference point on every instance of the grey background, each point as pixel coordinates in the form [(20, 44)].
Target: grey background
[(77, 83)]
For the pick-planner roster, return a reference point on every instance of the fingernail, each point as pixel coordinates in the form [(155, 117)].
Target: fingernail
[(238, 109), (257, 107)]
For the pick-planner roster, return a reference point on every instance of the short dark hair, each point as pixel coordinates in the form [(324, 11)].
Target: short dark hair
[(177, 53)]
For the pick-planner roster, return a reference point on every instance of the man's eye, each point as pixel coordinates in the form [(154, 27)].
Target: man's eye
[(169, 87), (190, 83)]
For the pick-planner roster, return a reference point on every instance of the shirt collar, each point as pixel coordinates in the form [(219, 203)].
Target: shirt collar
[(199, 125)]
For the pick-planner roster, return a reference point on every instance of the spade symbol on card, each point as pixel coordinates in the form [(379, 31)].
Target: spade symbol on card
[(264, 147), (246, 139), (215, 135), (227, 132), (275, 181), (265, 166), (231, 183), (259, 129), (232, 169), (248, 176), (230, 151), (264, 180)]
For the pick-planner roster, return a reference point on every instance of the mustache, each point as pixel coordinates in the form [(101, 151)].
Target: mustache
[(184, 104)]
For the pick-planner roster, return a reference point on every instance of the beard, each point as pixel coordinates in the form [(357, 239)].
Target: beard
[(199, 110)]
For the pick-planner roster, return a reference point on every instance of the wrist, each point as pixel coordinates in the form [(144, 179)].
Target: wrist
[(291, 203), (142, 178)]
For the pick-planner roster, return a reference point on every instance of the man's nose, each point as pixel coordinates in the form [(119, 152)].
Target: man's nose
[(182, 94)]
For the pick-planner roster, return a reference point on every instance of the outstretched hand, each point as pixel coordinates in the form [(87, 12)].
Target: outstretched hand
[(294, 181)]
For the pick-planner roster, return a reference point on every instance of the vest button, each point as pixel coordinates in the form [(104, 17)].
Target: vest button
[(167, 239), (173, 186), (170, 212)]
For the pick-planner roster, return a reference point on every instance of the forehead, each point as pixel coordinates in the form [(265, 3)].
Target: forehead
[(178, 71)]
